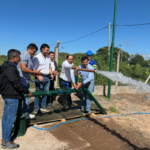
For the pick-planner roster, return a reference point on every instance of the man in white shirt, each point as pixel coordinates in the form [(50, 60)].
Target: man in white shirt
[(65, 79), (42, 62)]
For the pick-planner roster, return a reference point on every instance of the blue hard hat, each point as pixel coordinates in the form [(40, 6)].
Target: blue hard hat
[(89, 52)]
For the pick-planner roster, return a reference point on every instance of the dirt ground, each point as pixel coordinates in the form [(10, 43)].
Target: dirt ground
[(130, 132)]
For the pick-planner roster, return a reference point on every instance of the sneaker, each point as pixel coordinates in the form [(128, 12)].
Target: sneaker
[(2, 142), (49, 105), (45, 109), (86, 112), (66, 107), (36, 111), (82, 109), (30, 116), (10, 145)]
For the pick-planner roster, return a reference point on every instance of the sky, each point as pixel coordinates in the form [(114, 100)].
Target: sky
[(48, 21)]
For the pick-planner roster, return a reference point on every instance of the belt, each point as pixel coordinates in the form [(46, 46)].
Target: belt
[(45, 75)]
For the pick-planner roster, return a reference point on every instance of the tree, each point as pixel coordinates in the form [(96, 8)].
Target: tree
[(136, 59), (104, 53)]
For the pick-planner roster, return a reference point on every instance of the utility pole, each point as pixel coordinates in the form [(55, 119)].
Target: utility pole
[(34, 41), (56, 51), (121, 52), (109, 42), (112, 48), (117, 68)]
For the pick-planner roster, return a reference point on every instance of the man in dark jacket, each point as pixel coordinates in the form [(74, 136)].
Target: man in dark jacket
[(11, 90), (54, 66)]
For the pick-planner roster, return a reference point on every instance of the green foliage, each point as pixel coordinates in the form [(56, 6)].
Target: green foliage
[(135, 67), (136, 59), (104, 53)]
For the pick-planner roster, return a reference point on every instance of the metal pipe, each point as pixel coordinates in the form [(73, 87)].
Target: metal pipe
[(88, 70), (67, 91), (96, 102), (76, 77), (112, 48)]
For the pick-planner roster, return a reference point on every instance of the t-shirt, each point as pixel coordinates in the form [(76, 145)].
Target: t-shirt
[(66, 71), (52, 65), (25, 58), (39, 62), (93, 63)]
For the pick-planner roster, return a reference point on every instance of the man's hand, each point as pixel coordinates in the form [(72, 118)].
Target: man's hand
[(40, 78), (79, 85), (75, 86), (52, 77), (30, 94), (55, 72), (38, 72)]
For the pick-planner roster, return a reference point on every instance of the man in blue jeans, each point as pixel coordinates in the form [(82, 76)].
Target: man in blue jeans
[(42, 62), (25, 68), (87, 82), (11, 90)]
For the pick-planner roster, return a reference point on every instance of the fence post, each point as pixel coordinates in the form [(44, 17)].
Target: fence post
[(117, 69), (56, 50)]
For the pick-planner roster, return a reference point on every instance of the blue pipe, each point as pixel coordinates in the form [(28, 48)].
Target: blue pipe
[(89, 118)]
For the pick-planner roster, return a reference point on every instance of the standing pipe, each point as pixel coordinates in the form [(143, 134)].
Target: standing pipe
[(112, 48)]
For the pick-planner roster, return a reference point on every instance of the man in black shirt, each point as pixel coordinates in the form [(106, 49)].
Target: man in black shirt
[(11, 90), (54, 66)]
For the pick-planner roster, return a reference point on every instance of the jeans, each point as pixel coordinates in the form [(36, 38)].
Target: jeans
[(51, 98), (86, 100), (64, 99), (9, 117), (26, 101), (42, 86)]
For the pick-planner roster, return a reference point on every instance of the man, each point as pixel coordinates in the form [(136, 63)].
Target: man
[(11, 90), (25, 68), (42, 62), (87, 82), (54, 66), (65, 79), (91, 62)]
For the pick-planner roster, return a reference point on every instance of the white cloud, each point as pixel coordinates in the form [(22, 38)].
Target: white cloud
[(146, 56)]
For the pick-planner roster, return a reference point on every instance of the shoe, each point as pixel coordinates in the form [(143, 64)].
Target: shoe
[(82, 109), (2, 142), (36, 111), (86, 112), (45, 109), (66, 107), (10, 145), (30, 116), (49, 105)]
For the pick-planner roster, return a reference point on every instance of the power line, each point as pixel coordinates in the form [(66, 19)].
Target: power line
[(84, 36), (102, 29), (96, 32), (134, 24)]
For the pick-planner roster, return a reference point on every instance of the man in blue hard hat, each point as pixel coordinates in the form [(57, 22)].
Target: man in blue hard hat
[(91, 62)]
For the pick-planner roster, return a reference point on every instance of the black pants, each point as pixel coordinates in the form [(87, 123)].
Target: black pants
[(64, 99), (50, 99)]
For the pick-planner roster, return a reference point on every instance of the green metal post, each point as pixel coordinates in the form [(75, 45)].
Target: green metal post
[(76, 77), (112, 48), (96, 102), (20, 123)]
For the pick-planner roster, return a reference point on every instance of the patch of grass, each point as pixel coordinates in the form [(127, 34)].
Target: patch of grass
[(113, 109)]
